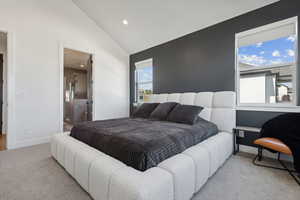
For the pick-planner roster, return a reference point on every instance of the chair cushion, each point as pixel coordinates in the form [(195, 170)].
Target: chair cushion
[(273, 144)]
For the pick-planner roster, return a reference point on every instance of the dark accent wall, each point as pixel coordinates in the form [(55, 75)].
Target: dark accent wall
[(254, 118), (205, 60)]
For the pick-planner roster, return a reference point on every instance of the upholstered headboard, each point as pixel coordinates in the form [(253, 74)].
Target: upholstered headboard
[(219, 107)]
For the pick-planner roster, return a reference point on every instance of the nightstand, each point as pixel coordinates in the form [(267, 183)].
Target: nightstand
[(245, 136)]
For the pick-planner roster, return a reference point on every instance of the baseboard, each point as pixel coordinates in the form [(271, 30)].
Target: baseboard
[(266, 153), (29, 142)]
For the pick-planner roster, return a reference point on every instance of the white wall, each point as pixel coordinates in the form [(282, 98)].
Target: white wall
[(39, 28)]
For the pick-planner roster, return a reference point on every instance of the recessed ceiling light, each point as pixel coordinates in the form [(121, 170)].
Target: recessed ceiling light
[(82, 66), (125, 22)]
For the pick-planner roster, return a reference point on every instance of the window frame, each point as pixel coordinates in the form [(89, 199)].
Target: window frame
[(281, 107), (136, 83)]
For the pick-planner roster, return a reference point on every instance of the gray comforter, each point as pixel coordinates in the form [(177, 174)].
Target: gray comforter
[(142, 143)]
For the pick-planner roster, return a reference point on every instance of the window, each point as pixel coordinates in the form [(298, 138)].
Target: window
[(266, 65), (143, 80)]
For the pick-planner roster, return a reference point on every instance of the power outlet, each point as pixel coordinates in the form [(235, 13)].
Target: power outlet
[(241, 133)]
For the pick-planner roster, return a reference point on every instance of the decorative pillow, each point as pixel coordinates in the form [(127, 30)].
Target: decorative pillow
[(144, 110), (162, 110), (186, 114)]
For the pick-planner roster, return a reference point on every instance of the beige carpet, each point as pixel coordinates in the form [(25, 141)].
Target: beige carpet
[(31, 174)]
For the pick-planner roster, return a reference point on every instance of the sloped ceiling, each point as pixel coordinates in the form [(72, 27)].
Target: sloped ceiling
[(76, 59), (152, 22)]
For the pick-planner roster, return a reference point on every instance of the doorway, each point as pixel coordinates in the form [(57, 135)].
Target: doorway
[(2, 134), (78, 88), (3, 111)]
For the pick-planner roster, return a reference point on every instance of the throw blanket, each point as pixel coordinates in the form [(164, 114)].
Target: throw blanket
[(286, 128), (142, 143)]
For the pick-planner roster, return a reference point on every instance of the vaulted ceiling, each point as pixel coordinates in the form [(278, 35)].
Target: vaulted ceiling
[(152, 22), (76, 59)]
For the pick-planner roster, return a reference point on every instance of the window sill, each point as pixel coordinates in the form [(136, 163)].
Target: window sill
[(291, 109)]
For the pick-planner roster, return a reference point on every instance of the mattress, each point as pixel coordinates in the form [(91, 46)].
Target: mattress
[(142, 143)]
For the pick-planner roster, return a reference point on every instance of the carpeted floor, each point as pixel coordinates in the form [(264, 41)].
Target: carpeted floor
[(31, 174)]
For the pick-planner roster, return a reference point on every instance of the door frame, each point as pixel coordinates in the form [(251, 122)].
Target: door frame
[(2, 119), (10, 88), (63, 46)]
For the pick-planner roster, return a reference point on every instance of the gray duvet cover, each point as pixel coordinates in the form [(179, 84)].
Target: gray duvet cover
[(142, 143)]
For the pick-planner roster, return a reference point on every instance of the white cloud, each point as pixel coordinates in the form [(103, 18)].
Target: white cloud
[(291, 38), (252, 60), (262, 52), (258, 60), (259, 44), (290, 52), (276, 62), (276, 53)]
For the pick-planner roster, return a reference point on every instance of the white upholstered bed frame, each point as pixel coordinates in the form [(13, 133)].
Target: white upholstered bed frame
[(177, 178)]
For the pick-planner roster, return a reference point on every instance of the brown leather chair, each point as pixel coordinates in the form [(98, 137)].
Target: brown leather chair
[(277, 146)]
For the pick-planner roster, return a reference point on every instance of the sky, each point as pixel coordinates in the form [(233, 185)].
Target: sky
[(145, 75), (267, 53)]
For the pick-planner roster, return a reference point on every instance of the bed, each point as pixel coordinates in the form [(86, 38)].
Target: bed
[(142, 143), (178, 177)]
